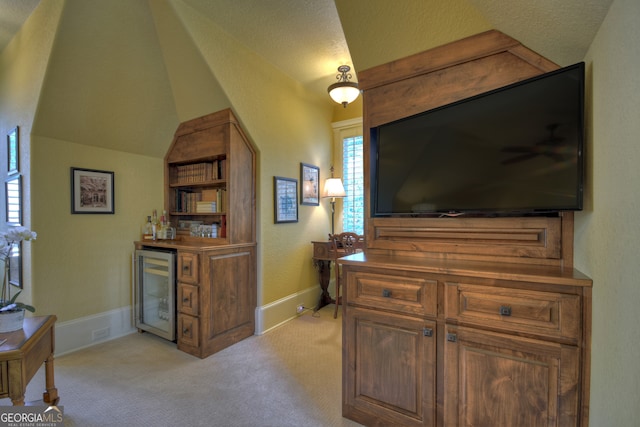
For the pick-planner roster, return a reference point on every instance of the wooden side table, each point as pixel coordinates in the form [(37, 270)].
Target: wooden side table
[(322, 258), (22, 354)]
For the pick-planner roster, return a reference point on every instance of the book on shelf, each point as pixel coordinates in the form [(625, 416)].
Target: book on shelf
[(197, 172), (206, 207), (205, 201), (186, 201)]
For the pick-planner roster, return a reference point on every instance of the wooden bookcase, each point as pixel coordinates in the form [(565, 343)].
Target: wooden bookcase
[(210, 159), (462, 321)]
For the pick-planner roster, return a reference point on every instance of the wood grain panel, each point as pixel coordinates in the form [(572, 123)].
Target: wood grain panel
[(509, 381), (187, 299), (449, 55), (514, 237), (401, 293), (424, 92), (544, 314), (395, 375)]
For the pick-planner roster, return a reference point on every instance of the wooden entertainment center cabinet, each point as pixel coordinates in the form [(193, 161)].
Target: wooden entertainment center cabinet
[(462, 321)]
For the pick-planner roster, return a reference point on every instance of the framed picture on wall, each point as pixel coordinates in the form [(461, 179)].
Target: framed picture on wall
[(310, 185), (285, 199), (91, 191), (13, 151)]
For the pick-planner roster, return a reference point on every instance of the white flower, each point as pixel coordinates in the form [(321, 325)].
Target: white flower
[(14, 235), (18, 234), (9, 238)]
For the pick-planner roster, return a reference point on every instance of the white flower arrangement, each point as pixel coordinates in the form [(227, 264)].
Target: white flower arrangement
[(7, 239)]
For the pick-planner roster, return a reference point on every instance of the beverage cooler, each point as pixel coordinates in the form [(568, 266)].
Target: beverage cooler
[(154, 296)]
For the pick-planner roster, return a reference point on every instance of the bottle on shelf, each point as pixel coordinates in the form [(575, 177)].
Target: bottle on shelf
[(155, 224), (147, 229)]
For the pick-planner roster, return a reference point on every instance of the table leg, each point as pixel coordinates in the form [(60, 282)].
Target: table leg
[(324, 273), (50, 396), (16, 386)]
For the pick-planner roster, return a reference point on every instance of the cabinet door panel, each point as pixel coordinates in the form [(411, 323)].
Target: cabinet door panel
[(390, 368), (494, 379), (232, 296)]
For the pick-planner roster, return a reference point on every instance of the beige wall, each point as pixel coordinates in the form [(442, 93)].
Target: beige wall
[(287, 126), (607, 232), (22, 69), (82, 263)]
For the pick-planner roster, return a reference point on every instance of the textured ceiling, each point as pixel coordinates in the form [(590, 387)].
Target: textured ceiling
[(305, 38), (13, 13), (143, 55)]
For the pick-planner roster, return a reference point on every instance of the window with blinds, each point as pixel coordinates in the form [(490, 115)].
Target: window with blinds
[(353, 180)]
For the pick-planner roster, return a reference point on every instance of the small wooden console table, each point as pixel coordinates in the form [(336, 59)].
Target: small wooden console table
[(322, 257), (22, 354)]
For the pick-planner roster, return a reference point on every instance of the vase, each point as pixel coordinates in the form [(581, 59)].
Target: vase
[(11, 320)]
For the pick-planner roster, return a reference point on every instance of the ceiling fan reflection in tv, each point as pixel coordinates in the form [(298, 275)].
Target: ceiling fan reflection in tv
[(553, 147)]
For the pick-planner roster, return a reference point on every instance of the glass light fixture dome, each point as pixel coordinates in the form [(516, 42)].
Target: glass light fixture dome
[(344, 92)]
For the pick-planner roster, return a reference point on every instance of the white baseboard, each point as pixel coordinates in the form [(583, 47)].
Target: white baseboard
[(278, 312), (87, 331), (84, 332)]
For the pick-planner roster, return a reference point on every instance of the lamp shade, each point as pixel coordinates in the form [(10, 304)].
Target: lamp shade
[(333, 188), (344, 92)]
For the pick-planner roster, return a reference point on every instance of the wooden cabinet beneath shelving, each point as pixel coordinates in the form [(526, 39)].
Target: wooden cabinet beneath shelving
[(218, 310)]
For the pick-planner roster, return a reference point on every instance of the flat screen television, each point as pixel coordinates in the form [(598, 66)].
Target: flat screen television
[(515, 150)]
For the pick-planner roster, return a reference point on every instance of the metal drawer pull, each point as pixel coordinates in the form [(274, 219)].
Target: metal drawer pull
[(452, 337), (427, 332), (505, 310), (386, 293)]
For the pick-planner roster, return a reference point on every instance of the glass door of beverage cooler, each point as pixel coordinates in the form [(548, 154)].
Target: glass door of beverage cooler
[(155, 292)]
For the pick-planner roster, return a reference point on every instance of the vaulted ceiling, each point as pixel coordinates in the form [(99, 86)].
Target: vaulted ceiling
[(305, 39)]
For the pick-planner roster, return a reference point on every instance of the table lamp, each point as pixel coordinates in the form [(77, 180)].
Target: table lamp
[(333, 188)]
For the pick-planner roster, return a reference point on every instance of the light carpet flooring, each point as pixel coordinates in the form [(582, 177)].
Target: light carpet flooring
[(290, 376)]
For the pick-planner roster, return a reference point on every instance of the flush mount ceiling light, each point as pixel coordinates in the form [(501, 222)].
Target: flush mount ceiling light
[(344, 92)]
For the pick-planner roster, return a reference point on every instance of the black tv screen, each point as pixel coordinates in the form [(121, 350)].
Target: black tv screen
[(513, 150)]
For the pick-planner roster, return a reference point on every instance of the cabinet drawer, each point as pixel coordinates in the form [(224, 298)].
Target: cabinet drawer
[(188, 328), (188, 299), (547, 314), (403, 294), (188, 267)]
